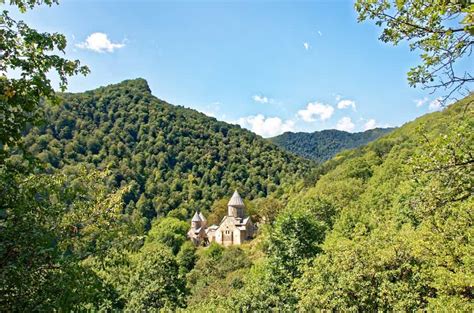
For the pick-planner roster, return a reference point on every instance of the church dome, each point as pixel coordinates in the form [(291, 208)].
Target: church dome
[(236, 200)]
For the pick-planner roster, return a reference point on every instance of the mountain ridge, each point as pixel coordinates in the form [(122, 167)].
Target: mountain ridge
[(175, 159), (323, 145)]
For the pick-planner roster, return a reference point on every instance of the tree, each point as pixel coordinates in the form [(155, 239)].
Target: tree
[(31, 54), (169, 231), (296, 236), (442, 30), (186, 257), (50, 224), (154, 280)]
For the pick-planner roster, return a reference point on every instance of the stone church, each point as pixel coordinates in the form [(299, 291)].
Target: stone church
[(234, 228)]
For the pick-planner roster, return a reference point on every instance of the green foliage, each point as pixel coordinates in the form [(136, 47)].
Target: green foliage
[(386, 227), (441, 30), (216, 272), (186, 257), (50, 225), (154, 281), (322, 146), (175, 158), (169, 231), (401, 237), (218, 211), (294, 237), (31, 54), (265, 210)]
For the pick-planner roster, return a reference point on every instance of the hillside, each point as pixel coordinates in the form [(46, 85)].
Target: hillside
[(323, 145), (387, 227), (175, 159)]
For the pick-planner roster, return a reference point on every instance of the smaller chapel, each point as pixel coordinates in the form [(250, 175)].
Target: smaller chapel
[(234, 228)]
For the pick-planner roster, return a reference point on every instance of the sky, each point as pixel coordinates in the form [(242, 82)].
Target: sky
[(270, 66)]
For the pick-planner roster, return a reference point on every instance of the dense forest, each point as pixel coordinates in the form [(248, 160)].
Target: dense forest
[(380, 227), (323, 145), (388, 227), (97, 190), (174, 159)]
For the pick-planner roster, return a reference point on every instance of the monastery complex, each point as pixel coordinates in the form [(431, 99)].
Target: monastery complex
[(234, 229)]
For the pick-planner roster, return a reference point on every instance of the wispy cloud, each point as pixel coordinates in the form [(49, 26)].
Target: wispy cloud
[(261, 99), (99, 42), (316, 110), (320, 33), (344, 104), (345, 124), (420, 102), (306, 46)]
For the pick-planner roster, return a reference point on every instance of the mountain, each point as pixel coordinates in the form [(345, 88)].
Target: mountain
[(323, 145), (174, 159), (386, 227)]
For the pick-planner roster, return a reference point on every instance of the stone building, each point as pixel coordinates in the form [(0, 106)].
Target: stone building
[(234, 229)]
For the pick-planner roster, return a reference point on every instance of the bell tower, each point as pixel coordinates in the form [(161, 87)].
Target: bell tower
[(236, 206)]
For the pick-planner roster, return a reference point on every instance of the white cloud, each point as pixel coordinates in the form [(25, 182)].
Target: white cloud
[(260, 99), (338, 97), (266, 126), (306, 46), (345, 124), (320, 33), (99, 42), (420, 102), (435, 105), (370, 124), (315, 110), (344, 104)]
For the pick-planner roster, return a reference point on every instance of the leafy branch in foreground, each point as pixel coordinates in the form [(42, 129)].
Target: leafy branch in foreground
[(29, 54), (442, 30)]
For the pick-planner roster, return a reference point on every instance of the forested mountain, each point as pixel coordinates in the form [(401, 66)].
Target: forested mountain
[(383, 227), (174, 159), (386, 227), (323, 145)]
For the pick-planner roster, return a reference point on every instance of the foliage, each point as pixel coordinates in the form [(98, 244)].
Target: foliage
[(294, 237), (154, 280), (186, 257), (402, 241), (169, 231), (50, 223), (386, 227), (441, 30), (323, 145), (216, 272), (173, 158), (218, 211), (31, 54)]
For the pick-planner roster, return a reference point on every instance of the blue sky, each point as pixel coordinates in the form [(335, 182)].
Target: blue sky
[(269, 66)]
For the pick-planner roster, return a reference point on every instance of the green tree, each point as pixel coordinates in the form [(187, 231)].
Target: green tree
[(441, 30), (50, 225), (294, 238), (154, 280), (31, 54), (169, 231), (186, 257)]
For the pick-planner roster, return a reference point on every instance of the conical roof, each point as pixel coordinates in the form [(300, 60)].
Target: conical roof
[(196, 217), (236, 200), (203, 218)]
